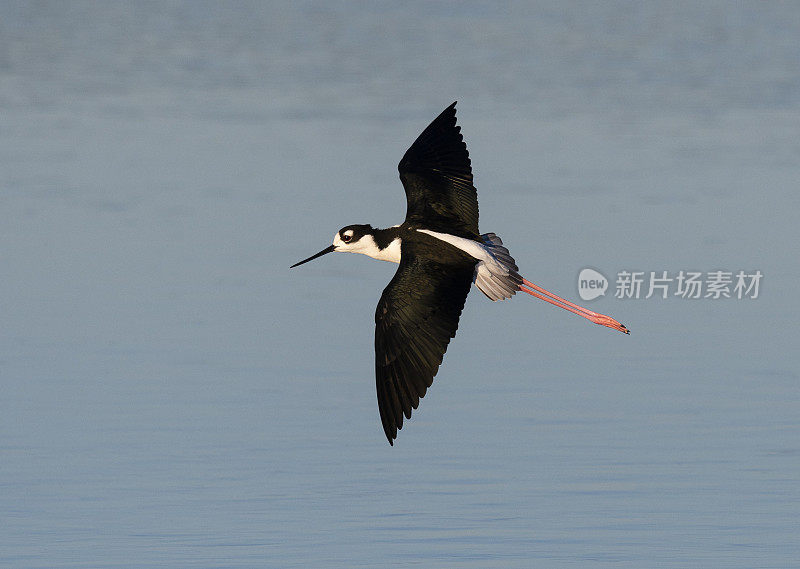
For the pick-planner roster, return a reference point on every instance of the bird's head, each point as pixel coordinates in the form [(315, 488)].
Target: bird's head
[(349, 239)]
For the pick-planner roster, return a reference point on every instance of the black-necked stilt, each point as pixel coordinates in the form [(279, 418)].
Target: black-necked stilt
[(440, 253)]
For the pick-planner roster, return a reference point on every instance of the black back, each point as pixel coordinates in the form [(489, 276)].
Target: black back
[(437, 176), (416, 318)]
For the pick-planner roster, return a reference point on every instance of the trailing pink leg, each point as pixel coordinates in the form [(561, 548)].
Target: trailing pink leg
[(540, 293)]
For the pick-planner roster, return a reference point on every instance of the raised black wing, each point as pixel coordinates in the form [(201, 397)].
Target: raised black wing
[(437, 176), (416, 317)]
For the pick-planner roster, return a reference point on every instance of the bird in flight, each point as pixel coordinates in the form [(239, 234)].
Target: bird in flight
[(441, 253)]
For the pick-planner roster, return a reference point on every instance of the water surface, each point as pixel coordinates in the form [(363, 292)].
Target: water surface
[(173, 395)]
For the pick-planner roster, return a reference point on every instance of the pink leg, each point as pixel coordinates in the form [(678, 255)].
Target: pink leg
[(540, 293)]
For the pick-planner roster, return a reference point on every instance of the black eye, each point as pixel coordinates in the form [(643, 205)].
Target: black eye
[(346, 238)]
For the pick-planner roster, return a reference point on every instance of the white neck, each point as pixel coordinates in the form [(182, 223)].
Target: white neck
[(391, 253)]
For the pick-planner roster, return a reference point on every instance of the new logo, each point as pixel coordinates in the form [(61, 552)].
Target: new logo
[(591, 284)]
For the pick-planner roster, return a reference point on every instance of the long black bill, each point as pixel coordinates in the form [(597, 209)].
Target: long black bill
[(325, 251)]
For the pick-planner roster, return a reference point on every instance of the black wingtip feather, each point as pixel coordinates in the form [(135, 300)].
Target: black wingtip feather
[(436, 172), (415, 319)]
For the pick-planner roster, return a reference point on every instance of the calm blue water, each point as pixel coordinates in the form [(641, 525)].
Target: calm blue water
[(173, 396)]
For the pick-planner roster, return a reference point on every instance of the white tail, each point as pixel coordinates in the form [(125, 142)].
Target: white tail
[(497, 277)]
